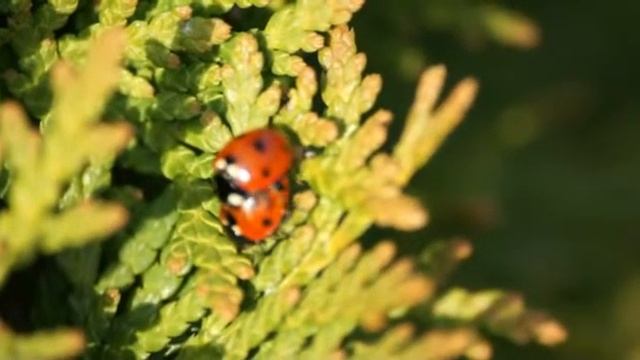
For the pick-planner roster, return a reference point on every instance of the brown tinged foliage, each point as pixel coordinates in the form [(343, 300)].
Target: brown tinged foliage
[(173, 282)]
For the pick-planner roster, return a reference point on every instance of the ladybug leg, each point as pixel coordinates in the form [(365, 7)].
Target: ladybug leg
[(226, 217), (229, 220)]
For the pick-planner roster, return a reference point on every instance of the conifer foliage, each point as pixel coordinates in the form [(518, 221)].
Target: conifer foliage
[(111, 115)]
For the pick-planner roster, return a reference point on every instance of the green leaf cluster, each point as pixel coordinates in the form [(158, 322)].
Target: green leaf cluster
[(173, 81)]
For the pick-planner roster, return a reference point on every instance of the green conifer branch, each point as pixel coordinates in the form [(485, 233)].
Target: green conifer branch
[(242, 82), (501, 312), (174, 281), (440, 258), (296, 114), (294, 27), (42, 216), (39, 176), (45, 345), (441, 344)]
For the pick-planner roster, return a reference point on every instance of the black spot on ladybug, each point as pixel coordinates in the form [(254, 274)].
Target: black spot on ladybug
[(266, 222), (230, 159), (279, 186), (266, 172), (259, 145)]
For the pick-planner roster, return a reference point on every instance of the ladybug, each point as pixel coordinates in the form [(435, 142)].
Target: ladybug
[(255, 160), (252, 177), (254, 216)]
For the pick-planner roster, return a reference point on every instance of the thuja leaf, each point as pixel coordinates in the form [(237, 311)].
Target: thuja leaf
[(44, 345), (42, 164), (174, 283), (42, 216)]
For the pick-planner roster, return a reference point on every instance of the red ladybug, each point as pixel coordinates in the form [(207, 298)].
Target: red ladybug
[(255, 160), (254, 216)]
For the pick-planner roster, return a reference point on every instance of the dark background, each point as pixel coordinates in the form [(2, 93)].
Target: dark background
[(544, 174)]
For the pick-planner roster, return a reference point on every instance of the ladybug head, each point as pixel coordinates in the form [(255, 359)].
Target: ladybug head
[(226, 166)]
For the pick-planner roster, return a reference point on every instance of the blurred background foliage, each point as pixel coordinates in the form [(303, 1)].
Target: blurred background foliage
[(544, 175)]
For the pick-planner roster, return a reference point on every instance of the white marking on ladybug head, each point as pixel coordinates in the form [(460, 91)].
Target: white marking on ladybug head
[(235, 199), (238, 173), (236, 230), (220, 164)]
